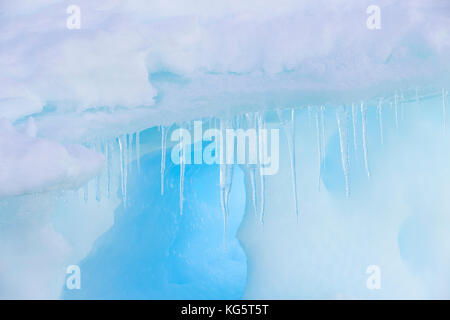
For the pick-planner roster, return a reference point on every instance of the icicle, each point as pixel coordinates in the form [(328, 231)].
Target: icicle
[(98, 190), (250, 123), (289, 129), (354, 120), (130, 148), (293, 162), (123, 167), (225, 181), (324, 138), (396, 110), (380, 119), (182, 169), (343, 142), (261, 175), (138, 150), (364, 137), (98, 186), (319, 148), (309, 116), (163, 130), (122, 187), (108, 170), (444, 112), (86, 192)]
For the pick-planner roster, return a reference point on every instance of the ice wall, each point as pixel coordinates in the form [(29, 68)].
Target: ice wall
[(154, 252), (395, 219)]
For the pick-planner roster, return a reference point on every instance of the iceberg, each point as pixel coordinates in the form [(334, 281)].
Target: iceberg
[(355, 118)]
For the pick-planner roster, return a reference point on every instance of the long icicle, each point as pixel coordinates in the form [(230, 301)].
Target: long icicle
[(225, 181), (309, 116), (122, 152), (319, 149), (119, 141), (138, 150), (324, 138), (293, 162), (129, 150), (253, 186), (125, 165), (98, 180), (262, 182), (251, 123), (364, 137), (380, 120), (396, 109), (289, 129), (163, 130), (108, 169), (343, 143), (354, 121), (444, 111)]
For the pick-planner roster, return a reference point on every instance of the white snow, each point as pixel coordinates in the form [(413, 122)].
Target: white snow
[(260, 51), (29, 164)]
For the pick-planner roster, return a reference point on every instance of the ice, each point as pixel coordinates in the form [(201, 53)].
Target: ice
[(342, 119), (108, 169), (250, 121), (396, 109), (123, 155), (138, 150), (444, 111), (225, 180), (355, 121), (130, 148), (380, 119), (319, 148), (86, 192), (289, 128), (252, 173), (364, 137), (95, 81), (136, 66), (163, 130), (322, 127), (262, 178)]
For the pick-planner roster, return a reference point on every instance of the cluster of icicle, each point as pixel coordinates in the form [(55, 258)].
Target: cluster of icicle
[(119, 154), (127, 146)]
